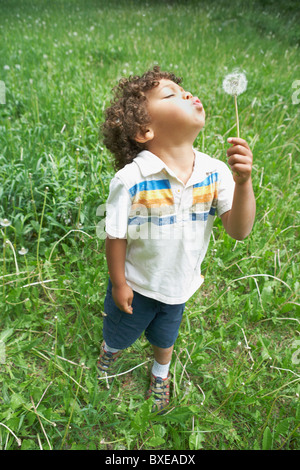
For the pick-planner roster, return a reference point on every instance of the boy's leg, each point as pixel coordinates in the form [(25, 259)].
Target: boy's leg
[(163, 330), (160, 378), (105, 362), (109, 349), (162, 355), (162, 359)]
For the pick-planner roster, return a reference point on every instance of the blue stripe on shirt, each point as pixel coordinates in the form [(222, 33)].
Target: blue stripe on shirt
[(154, 220), (212, 178), (149, 185)]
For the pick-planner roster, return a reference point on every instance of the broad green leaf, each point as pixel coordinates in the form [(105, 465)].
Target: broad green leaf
[(196, 439), (283, 426), (6, 334), (155, 441), (267, 439), (16, 401)]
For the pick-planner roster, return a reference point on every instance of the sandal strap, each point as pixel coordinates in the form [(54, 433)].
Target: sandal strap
[(160, 390), (106, 359)]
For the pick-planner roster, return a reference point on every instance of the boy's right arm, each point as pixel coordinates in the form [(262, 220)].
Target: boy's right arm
[(115, 255)]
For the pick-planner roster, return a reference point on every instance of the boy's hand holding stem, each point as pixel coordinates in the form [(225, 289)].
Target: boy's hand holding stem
[(240, 160), (121, 291), (239, 220)]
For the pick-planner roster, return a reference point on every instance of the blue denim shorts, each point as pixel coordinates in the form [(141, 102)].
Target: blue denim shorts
[(158, 320)]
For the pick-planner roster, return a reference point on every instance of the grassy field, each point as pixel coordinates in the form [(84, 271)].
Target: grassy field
[(236, 361)]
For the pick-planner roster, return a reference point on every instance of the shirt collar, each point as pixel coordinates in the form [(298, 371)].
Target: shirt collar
[(203, 166), (150, 164)]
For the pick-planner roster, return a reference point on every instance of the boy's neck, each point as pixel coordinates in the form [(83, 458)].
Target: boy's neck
[(179, 158)]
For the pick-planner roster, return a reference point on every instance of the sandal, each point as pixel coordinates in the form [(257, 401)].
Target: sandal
[(105, 363), (160, 390)]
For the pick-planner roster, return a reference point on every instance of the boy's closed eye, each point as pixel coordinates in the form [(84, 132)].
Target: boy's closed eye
[(169, 96)]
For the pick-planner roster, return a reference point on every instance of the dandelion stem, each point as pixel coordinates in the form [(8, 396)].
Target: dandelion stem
[(40, 230), (202, 393), (261, 275), (38, 245), (288, 370), (122, 373), (19, 442), (237, 116), (15, 258), (32, 198), (58, 241), (41, 424), (55, 347), (4, 262)]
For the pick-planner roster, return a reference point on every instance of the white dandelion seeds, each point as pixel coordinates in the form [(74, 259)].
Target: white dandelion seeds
[(23, 251), (235, 84), (5, 223)]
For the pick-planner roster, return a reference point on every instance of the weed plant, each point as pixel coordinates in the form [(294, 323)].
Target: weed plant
[(236, 361)]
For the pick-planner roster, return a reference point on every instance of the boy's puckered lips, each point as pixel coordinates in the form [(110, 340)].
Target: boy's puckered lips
[(197, 102)]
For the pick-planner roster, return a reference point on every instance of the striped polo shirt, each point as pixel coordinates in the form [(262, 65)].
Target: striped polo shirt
[(167, 224)]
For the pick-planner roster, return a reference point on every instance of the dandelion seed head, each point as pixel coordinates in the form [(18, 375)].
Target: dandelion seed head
[(23, 251), (235, 83), (5, 222)]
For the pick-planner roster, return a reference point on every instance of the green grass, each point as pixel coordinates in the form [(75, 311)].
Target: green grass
[(236, 361)]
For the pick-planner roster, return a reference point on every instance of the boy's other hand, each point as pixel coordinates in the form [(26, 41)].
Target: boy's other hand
[(240, 159), (123, 296)]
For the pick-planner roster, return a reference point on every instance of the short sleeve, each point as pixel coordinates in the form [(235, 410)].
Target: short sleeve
[(117, 209), (225, 189)]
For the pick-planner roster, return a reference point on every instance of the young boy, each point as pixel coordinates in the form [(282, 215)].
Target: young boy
[(160, 213)]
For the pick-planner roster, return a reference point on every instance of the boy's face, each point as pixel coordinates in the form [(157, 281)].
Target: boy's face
[(174, 112)]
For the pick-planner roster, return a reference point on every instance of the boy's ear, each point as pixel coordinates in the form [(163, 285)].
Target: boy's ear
[(142, 138)]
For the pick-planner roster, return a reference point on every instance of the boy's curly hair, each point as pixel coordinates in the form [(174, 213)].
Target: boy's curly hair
[(127, 115)]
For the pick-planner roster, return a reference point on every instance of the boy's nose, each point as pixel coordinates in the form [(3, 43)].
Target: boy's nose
[(187, 95)]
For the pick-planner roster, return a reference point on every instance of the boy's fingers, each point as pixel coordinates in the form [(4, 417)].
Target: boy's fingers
[(238, 158), (238, 141), (125, 307), (123, 300), (129, 308), (238, 150)]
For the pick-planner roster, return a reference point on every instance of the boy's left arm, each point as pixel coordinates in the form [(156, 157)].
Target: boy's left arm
[(238, 222)]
